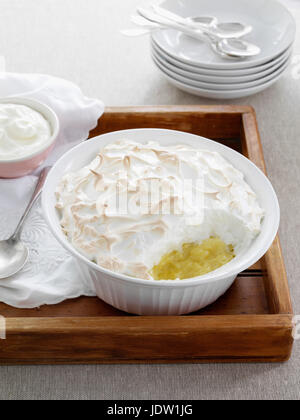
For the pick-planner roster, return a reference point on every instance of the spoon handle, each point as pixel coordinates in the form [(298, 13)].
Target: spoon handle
[(169, 15), (135, 32), (34, 198), (160, 11)]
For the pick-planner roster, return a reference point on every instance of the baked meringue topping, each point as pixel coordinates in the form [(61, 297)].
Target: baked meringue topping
[(135, 203), (23, 131)]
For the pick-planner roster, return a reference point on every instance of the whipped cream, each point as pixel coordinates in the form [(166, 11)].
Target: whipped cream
[(108, 217), (23, 131)]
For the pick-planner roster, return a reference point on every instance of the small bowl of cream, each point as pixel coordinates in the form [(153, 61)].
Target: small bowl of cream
[(28, 131)]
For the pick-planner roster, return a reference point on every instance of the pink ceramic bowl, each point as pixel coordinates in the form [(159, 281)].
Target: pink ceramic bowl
[(16, 168)]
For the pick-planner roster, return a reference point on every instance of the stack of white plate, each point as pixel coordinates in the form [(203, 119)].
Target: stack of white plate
[(194, 67)]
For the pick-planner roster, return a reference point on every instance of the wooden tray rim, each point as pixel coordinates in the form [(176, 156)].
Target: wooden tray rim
[(278, 322)]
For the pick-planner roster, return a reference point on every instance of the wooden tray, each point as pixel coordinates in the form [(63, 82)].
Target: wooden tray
[(251, 323)]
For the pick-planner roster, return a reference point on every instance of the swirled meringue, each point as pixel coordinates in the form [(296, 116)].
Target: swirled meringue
[(23, 131), (107, 215)]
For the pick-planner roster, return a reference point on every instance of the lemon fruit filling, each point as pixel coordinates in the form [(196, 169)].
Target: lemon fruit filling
[(193, 260)]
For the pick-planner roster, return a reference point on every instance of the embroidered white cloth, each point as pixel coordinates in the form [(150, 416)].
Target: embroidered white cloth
[(51, 275)]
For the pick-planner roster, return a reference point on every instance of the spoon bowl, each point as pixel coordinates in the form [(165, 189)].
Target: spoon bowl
[(238, 48), (13, 252), (13, 257), (225, 30)]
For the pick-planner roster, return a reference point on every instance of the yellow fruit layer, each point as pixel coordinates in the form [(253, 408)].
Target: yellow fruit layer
[(193, 260)]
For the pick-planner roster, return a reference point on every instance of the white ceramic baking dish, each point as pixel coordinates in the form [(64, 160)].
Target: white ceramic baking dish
[(150, 297)]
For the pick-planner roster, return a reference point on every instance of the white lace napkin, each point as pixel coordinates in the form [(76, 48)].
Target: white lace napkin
[(51, 275)]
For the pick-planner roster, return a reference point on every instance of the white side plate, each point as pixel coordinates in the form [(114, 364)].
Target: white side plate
[(210, 77), (222, 94), (221, 86), (274, 30)]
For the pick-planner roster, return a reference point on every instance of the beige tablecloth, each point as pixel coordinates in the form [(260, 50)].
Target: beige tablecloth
[(79, 40)]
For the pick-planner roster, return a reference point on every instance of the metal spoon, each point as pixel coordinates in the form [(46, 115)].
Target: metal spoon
[(223, 47), (13, 253), (209, 25)]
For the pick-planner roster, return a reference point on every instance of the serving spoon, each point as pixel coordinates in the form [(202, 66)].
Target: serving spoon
[(13, 252), (146, 27)]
